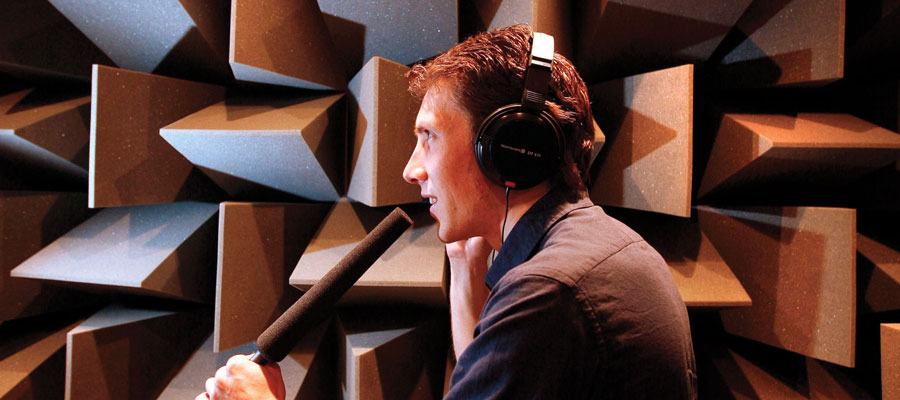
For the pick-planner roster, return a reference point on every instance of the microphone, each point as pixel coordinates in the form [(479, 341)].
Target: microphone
[(313, 306)]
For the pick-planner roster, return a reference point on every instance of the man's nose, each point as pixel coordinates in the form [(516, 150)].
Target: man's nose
[(414, 172)]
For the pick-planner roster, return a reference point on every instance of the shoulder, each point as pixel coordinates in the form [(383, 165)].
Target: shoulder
[(602, 267), (585, 242)]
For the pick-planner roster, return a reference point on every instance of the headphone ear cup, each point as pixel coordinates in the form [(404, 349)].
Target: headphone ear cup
[(518, 148)]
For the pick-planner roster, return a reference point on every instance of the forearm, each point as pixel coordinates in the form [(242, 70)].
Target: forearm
[(467, 298), (468, 292)]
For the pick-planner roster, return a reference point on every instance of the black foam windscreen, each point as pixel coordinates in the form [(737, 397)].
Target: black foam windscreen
[(318, 302)]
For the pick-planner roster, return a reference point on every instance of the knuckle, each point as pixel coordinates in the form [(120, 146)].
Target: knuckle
[(221, 378), (234, 362)]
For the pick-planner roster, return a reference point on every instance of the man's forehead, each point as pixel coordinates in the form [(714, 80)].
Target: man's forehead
[(434, 106), (439, 98), (441, 113)]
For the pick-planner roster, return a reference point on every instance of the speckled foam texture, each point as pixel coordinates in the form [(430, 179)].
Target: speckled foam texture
[(277, 340)]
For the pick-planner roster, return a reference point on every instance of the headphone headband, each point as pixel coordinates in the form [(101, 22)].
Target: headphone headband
[(537, 74)]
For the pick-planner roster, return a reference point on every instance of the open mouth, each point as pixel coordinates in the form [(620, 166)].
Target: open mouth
[(431, 200)]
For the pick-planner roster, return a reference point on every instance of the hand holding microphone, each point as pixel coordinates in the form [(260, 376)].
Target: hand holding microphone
[(304, 315), (241, 378)]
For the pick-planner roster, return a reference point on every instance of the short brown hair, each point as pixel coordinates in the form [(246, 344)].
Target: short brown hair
[(487, 71)]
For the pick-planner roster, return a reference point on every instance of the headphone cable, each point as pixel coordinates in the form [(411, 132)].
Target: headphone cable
[(503, 227)]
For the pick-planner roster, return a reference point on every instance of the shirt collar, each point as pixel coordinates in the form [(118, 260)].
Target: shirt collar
[(529, 232)]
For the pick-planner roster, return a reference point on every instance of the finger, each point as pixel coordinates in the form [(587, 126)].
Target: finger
[(210, 388), (221, 381), (478, 244), (274, 366), (456, 249), (478, 251), (202, 396), (272, 370), (274, 379)]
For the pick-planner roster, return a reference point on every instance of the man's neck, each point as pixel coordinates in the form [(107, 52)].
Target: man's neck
[(519, 203)]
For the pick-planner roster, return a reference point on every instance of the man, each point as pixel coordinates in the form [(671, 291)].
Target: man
[(574, 304)]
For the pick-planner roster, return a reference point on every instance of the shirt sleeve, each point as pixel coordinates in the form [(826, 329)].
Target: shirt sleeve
[(523, 345)]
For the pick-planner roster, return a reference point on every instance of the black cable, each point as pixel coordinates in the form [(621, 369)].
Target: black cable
[(503, 227), (506, 214)]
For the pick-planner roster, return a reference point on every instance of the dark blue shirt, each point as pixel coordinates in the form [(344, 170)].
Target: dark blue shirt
[(581, 307)]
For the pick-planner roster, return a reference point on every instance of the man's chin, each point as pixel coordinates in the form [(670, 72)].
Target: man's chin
[(442, 236), (447, 239), (445, 236)]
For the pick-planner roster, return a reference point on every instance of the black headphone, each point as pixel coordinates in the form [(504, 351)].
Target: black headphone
[(520, 145)]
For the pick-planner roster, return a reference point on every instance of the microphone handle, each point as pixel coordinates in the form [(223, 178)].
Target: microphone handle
[(258, 358)]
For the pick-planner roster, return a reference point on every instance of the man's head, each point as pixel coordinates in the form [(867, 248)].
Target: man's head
[(487, 71), (460, 88)]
